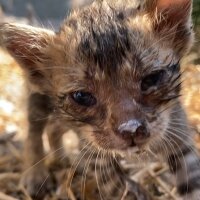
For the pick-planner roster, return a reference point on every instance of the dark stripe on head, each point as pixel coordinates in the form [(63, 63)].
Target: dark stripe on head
[(105, 45), (106, 50)]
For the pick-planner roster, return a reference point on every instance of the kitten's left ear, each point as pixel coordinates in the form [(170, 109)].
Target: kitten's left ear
[(30, 47), (172, 20)]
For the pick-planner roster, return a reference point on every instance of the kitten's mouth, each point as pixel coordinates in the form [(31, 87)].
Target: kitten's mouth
[(136, 146), (134, 140), (131, 152), (134, 149)]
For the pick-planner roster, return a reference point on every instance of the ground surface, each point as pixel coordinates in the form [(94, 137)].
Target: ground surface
[(155, 177)]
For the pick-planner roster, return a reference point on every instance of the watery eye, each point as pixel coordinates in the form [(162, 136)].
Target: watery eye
[(152, 80), (84, 98)]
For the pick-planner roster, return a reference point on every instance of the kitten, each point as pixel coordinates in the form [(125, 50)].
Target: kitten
[(112, 72)]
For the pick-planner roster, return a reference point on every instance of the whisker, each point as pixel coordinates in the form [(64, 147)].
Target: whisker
[(116, 173), (178, 122), (185, 165), (103, 174), (71, 173), (42, 185), (86, 167), (187, 145), (173, 152), (98, 186), (168, 106), (180, 131), (27, 170)]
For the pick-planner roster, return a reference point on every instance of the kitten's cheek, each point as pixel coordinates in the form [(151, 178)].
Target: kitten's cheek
[(95, 138), (87, 132), (103, 139)]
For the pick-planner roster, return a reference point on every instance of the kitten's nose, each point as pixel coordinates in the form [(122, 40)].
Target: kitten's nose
[(136, 130)]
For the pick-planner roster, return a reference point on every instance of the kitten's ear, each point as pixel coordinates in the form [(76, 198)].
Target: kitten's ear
[(29, 46), (172, 18), (174, 11)]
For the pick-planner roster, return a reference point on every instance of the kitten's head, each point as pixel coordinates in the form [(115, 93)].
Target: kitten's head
[(112, 69)]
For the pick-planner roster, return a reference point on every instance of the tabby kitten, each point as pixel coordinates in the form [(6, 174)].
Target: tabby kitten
[(112, 72)]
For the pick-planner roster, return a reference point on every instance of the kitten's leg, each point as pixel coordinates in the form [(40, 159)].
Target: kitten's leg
[(55, 130), (184, 160), (39, 108)]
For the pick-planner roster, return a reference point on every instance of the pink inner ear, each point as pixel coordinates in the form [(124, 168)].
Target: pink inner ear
[(166, 4), (26, 49), (21, 49)]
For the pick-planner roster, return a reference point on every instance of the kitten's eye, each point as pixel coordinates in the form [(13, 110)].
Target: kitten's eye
[(152, 80), (84, 98)]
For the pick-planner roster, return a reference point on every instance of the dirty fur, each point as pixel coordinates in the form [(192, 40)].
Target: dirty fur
[(111, 50)]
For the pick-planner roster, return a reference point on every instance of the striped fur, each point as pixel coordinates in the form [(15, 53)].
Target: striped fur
[(182, 156), (126, 57)]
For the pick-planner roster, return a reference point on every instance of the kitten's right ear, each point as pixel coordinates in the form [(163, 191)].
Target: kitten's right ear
[(29, 46), (172, 21)]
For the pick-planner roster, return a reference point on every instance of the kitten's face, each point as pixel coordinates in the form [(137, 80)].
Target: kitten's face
[(119, 95), (125, 77), (113, 73)]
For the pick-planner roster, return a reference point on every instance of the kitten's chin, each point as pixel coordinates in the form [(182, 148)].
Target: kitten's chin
[(128, 152)]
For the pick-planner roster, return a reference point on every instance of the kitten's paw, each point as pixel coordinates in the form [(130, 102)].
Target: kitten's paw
[(37, 182), (135, 191)]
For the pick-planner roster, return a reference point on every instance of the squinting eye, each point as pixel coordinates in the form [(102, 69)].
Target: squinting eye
[(84, 98), (152, 80)]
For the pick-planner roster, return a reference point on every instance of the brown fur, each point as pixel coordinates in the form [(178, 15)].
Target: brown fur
[(108, 49)]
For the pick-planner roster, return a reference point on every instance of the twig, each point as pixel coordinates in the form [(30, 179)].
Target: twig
[(139, 174), (71, 194), (165, 168), (5, 137), (14, 151), (125, 192), (25, 192), (6, 197), (162, 184), (10, 175), (5, 159)]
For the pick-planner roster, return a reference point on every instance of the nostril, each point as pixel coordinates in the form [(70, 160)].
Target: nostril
[(134, 130), (127, 133), (128, 136), (141, 131)]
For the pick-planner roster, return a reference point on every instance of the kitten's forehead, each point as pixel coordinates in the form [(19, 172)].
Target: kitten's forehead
[(105, 38)]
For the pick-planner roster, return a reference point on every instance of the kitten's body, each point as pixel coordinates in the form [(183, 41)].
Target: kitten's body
[(112, 72)]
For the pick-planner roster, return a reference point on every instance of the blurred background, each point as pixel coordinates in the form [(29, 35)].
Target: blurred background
[(13, 126), (45, 13)]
